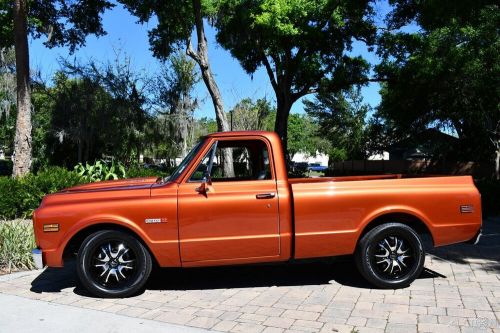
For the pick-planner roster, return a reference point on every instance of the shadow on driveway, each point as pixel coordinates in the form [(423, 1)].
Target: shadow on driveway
[(249, 276), (341, 270)]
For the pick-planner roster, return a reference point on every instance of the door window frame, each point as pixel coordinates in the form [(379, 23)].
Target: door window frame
[(214, 141)]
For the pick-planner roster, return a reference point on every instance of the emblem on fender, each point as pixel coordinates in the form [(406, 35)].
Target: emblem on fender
[(156, 220)]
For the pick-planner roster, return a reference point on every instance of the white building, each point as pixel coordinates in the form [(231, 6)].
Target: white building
[(322, 159)]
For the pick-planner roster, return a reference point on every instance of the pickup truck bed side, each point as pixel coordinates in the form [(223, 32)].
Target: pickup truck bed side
[(329, 216)]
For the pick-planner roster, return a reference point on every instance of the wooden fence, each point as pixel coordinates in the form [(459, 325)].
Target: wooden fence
[(368, 167)]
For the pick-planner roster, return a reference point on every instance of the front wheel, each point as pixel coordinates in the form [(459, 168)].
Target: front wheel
[(390, 256), (112, 263)]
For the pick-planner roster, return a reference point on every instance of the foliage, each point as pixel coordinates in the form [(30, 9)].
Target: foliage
[(100, 170), (63, 23), (302, 136), (16, 241), (175, 23), (136, 171), (20, 196), (446, 74), (341, 120), (7, 99), (303, 45), (490, 192), (92, 111), (174, 87), (249, 115)]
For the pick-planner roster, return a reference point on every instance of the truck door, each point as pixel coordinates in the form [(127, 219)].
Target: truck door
[(228, 206)]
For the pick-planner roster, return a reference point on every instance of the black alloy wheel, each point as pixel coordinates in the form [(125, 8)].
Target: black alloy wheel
[(390, 255), (113, 264)]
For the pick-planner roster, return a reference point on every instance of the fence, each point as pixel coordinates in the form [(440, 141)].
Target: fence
[(368, 167)]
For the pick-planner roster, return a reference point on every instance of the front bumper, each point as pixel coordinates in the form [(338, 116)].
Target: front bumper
[(37, 258)]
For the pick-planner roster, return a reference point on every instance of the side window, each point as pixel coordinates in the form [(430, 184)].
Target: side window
[(236, 161)]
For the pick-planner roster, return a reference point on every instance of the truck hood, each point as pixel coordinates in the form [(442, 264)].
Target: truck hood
[(111, 185)]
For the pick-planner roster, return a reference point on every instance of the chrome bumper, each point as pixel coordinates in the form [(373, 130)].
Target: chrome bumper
[(476, 238), (37, 258)]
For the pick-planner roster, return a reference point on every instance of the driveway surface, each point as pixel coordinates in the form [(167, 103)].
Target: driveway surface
[(459, 291)]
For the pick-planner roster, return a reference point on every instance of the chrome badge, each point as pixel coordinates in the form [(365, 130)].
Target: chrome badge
[(465, 209), (156, 220)]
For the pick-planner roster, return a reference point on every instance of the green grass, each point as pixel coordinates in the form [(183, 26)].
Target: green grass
[(16, 242)]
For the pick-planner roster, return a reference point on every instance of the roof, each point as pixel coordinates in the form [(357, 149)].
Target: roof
[(241, 133)]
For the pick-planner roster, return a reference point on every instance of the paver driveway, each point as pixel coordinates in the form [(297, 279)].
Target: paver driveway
[(458, 291)]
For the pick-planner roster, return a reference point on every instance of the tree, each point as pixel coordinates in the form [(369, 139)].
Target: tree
[(7, 98), (126, 106), (64, 24), (248, 115), (303, 136), (303, 44), (446, 74), (176, 20), (174, 89), (341, 120)]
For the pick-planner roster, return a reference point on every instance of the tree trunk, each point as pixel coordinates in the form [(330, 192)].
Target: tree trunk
[(201, 58), (284, 105), (22, 142)]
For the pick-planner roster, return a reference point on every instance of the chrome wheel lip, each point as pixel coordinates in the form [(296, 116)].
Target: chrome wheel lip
[(113, 264), (393, 257)]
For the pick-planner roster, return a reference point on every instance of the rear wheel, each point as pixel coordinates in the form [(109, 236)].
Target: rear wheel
[(390, 255), (113, 263)]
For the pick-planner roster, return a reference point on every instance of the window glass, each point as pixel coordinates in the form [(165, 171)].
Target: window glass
[(236, 161)]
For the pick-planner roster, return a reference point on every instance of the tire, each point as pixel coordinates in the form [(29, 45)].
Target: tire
[(390, 256), (112, 263)]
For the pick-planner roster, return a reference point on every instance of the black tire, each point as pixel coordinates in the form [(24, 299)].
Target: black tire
[(113, 263), (390, 256)]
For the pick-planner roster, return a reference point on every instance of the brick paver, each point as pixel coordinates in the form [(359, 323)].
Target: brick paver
[(459, 291)]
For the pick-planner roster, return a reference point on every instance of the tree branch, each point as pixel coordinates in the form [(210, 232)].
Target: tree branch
[(191, 52), (270, 72)]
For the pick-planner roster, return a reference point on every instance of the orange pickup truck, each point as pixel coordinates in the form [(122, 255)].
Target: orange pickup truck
[(230, 202)]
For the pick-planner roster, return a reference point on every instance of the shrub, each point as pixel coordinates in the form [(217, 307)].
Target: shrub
[(20, 196), (49, 180), (136, 171), (10, 197), (100, 170), (16, 241)]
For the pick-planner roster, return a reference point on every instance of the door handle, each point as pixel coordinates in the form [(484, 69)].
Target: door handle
[(265, 195)]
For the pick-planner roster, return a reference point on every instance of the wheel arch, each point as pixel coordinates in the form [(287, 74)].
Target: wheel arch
[(413, 221), (75, 241)]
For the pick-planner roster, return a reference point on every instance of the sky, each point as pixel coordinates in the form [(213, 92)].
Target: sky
[(125, 34)]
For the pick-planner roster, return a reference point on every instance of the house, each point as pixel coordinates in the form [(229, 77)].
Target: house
[(423, 146), (319, 158)]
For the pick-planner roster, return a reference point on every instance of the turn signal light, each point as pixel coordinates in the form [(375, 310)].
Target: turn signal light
[(53, 227)]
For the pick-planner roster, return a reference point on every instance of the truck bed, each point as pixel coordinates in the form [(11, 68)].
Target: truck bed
[(331, 213)]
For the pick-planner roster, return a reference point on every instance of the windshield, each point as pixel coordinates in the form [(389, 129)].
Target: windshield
[(184, 163)]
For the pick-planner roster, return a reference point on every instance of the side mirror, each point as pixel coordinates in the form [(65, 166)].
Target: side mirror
[(205, 182)]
